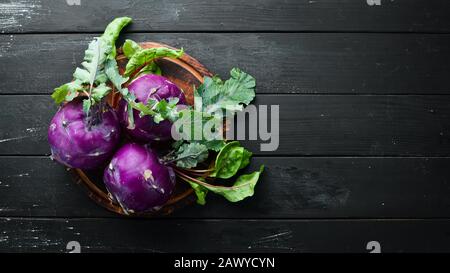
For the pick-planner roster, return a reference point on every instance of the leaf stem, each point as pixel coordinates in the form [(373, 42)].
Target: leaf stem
[(186, 177), (198, 171), (132, 75), (189, 178)]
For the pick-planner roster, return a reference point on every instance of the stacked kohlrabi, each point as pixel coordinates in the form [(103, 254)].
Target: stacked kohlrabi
[(87, 133)]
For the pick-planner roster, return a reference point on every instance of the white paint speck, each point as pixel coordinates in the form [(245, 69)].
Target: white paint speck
[(20, 175), (73, 2), (12, 138), (13, 12)]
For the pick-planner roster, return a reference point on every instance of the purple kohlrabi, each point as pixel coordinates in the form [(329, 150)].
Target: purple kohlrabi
[(78, 141), (137, 179), (144, 88)]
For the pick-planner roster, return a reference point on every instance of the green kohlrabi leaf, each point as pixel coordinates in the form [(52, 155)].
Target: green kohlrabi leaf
[(94, 58), (229, 160), (230, 95), (165, 110), (201, 127), (92, 72), (142, 108), (159, 110), (100, 91), (130, 47), (214, 145), (87, 103), (190, 154), (145, 56), (112, 32), (112, 71), (177, 144), (245, 158), (67, 92), (81, 75), (200, 192), (243, 187), (151, 68)]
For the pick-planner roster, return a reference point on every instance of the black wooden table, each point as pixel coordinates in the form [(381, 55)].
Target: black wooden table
[(364, 124)]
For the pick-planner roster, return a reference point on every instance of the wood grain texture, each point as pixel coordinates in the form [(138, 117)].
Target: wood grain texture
[(364, 125), (235, 15), (325, 187), (320, 63), (309, 125), (196, 236)]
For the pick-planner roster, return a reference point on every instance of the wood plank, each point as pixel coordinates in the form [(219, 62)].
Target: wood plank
[(309, 125), (200, 236), (37, 186), (214, 15), (320, 63), (289, 188)]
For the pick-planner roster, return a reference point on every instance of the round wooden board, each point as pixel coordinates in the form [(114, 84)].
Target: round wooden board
[(186, 72)]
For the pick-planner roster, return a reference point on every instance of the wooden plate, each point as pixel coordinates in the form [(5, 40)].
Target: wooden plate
[(186, 72)]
